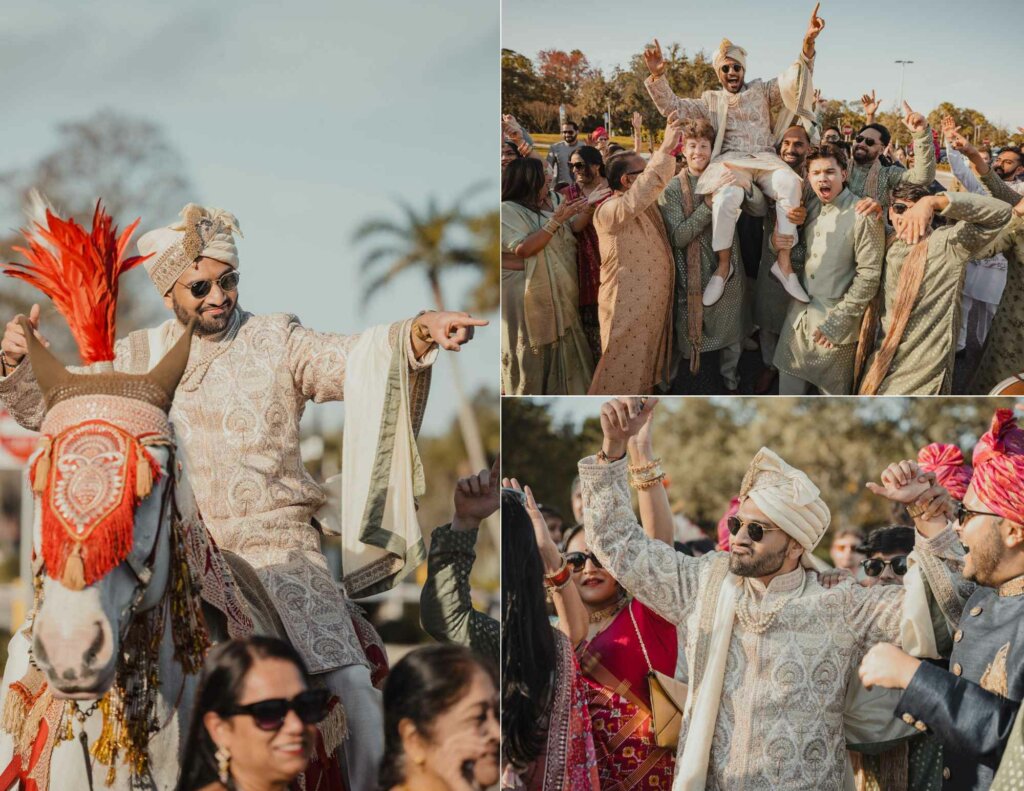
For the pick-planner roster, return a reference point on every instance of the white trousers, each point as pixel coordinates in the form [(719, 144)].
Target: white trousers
[(769, 342), (362, 752), (782, 185), (729, 364)]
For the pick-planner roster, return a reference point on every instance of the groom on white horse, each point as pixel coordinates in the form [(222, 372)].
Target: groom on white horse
[(236, 416)]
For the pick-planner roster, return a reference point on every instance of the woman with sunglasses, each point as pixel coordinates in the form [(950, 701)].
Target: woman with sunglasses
[(587, 168), (440, 722), (626, 641), (254, 722), (547, 742), (544, 348)]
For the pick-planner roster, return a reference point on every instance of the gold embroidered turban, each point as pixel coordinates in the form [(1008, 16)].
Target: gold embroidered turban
[(202, 233), (787, 497), (729, 50)]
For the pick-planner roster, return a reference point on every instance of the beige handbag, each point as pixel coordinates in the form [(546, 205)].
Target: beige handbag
[(668, 699)]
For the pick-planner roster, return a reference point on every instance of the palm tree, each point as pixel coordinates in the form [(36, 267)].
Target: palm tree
[(422, 242)]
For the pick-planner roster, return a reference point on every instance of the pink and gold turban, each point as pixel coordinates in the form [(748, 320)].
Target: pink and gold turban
[(947, 462), (999, 467)]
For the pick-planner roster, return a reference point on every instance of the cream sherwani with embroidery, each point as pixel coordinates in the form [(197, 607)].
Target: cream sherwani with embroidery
[(236, 414), (780, 719)]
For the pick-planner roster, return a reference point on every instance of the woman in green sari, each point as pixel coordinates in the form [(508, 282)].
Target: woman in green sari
[(543, 348)]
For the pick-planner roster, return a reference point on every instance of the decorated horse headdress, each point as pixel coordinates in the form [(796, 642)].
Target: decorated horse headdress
[(93, 469)]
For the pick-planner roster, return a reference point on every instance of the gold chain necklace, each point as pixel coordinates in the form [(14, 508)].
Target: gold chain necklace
[(758, 623), (609, 611)]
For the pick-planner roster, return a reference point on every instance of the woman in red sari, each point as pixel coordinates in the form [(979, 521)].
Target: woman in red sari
[(625, 641)]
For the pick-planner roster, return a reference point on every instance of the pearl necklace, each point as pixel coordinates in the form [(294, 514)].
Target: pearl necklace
[(758, 623)]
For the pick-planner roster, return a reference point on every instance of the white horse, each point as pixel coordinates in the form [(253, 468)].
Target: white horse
[(84, 640)]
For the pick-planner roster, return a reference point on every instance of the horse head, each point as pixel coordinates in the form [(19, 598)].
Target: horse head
[(104, 479)]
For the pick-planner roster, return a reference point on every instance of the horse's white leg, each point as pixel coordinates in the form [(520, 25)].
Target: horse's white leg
[(363, 750)]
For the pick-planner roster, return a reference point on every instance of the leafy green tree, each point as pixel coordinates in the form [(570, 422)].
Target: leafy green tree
[(519, 85)]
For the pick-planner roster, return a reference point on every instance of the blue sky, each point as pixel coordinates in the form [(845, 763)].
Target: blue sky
[(302, 118), (960, 50)]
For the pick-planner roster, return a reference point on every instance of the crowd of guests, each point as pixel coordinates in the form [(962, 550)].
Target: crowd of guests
[(843, 261), (598, 649), (256, 712)]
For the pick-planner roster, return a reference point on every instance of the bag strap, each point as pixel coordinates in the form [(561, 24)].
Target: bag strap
[(643, 647)]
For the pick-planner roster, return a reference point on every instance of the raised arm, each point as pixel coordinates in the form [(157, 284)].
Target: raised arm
[(573, 620), (446, 606), (842, 323), (661, 92), (981, 220), (652, 571), (646, 476), (923, 171), (649, 184), (956, 144)]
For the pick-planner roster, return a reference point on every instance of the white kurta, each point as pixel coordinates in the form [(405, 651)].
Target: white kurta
[(236, 415), (780, 722)]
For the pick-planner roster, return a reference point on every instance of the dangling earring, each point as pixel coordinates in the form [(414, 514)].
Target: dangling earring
[(223, 764)]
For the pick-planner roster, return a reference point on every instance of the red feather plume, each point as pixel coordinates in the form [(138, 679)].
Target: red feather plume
[(78, 270)]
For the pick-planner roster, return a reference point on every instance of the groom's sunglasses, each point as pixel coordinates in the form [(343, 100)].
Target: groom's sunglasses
[(731, 67), (269, 715), (755, 530), (227, 282)]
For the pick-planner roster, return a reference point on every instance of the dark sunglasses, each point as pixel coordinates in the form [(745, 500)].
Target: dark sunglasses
[(269, 715), (899, 208), (577, 166), (734, 67), (579, 559), (569, 132), (875, 566), (227, 282), (754, 529), (864, 141), (962, 513)]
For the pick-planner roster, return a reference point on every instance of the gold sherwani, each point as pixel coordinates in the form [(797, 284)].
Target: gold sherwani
[(236, 415), (780, 720)]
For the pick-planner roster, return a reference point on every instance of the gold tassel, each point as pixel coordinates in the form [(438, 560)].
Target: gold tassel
[(143, 475), (69, 721), (41, 471), (74, 570), (15, 711)]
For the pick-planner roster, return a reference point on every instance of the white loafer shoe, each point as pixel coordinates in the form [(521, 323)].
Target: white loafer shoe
[(715, 288), (791, 284)]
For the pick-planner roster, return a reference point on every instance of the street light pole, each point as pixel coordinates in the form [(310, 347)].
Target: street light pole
[(903, 73)]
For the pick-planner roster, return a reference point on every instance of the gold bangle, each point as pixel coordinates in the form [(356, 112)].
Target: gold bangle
[(644, 467), (641, 486), (647, 475), (916, 510)]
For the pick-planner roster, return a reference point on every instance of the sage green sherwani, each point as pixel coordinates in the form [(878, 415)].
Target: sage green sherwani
[(923, 364), (842, 272), (726, 322), (1003, 355), (892, 176)]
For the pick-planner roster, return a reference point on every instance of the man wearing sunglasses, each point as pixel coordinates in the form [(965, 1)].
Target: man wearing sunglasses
[(973, 707), (869, 178), (887, 550), (236, 412), (770, 653), (922, 288), (745, 142)]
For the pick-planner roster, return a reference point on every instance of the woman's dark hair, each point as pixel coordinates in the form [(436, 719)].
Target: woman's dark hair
[(420, 688), (527, 639), (568, 535), (220, 688), (513, 148), (522, 180), (591, 156), (829, 151)]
